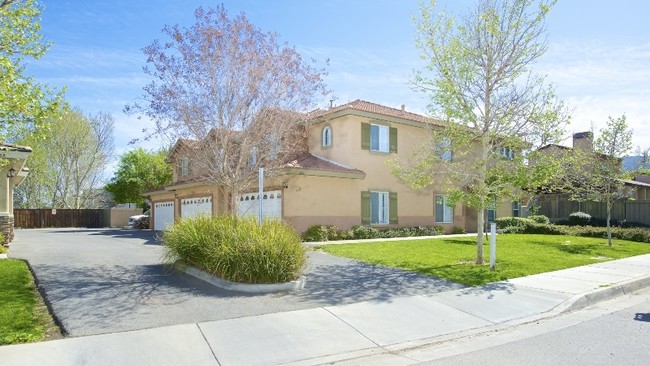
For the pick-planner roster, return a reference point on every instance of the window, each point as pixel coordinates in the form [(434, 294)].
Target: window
[(507, 153), (327, 136), (443, 149), (252, 158), (491, 213), (185, 166), (378, 207), (444, 213), (516, 209), (378, 138)]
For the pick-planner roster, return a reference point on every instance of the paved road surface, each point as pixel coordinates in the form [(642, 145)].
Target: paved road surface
[(104, 281), (613, 333)]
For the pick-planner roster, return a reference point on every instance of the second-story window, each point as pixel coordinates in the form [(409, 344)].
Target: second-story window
[(185, 166), (506, 153), (379, 138), (326, 137), (252, 159), (443, 149)]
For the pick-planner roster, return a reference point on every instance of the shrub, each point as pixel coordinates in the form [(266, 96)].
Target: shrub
[(320, 233), (141, 223), (363, 232), (513, 230), (579, 219), (540, 219), (458, 230), (504, 222), (238, 250), (548, 229)]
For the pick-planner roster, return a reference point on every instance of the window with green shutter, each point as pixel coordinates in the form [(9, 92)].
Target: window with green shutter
[(365, 207), (378, 138), (393, 208), (365, 136), (393, 139), (378, 208)]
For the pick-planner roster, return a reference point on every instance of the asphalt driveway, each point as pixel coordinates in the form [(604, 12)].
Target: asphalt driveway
[(105, 281)]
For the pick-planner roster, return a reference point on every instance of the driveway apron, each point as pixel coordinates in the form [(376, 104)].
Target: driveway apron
[(105, 281)]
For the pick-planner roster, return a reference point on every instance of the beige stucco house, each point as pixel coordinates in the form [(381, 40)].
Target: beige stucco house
[(13, 172), (341, 178)]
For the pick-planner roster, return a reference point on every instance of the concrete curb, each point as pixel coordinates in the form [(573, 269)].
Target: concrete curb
[(592, 297), (296, 285), (3, 256)]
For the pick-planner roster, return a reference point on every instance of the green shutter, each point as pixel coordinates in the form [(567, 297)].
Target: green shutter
[(365, 136), (365, 208), (392, 208), (392, 140)]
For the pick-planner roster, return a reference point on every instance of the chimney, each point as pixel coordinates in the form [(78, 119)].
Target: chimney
[(403, 108), (583, 140), (331, 103)]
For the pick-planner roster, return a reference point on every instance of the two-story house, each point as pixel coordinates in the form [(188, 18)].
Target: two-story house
[(340, 179)]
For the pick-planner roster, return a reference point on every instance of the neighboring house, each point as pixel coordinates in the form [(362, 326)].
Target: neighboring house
[(557, 205), (341, 178), (13, 171)]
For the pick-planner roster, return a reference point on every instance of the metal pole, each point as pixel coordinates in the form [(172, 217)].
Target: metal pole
[(493, 246), (260, 198)]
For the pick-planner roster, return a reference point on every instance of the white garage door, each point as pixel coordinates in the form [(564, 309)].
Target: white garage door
[(163, 215), (248, 205), (192, 207)]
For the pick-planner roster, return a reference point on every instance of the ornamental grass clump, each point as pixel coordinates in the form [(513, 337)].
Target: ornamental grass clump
[(238, 249)]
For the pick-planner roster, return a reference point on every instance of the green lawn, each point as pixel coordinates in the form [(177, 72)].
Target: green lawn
[(517, 255), (23, 318)]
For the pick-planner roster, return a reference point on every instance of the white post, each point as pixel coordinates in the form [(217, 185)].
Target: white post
[(260, 198), (493, 246)]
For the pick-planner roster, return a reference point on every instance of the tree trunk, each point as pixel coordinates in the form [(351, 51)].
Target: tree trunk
[(479, 237), (609, 227)]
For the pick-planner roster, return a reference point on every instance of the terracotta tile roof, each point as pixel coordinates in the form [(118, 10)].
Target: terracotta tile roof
[(365, 106), (310, 162)]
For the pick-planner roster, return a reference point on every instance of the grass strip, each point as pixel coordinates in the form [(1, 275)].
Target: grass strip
[(517, 255)]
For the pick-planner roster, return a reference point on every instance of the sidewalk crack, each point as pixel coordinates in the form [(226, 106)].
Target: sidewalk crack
[(208, 343)]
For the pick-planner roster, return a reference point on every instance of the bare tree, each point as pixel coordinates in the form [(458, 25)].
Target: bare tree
[(229, 85)]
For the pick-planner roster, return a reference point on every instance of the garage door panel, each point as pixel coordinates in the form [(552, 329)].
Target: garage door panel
[(195, 206), (163, 215), (248, 204)]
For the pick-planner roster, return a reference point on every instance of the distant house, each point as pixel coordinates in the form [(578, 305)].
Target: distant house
[(340, 177), (557, 205)]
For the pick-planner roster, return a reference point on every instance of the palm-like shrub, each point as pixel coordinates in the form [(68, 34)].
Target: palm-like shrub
[(237, 249)]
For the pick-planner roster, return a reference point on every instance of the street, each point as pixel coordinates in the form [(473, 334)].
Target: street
[(615, 332)]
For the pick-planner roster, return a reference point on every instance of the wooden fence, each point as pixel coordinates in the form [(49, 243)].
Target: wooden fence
[(42, 218), (558, 207)]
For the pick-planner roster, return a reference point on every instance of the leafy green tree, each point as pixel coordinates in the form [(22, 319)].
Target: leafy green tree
[(597, 174), (496, 110), (68, 164), (139, 171), (25, 105)]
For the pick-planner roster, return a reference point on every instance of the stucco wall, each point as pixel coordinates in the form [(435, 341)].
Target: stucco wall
[(120, 216)]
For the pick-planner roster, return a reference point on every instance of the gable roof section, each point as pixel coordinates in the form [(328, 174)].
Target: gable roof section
[(308, 164), (180, 145), (372, 110)]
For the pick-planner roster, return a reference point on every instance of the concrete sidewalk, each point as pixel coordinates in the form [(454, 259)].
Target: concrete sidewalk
[(366, 333)]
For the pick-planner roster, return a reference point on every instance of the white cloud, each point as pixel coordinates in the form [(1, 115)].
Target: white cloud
[(600, 80)]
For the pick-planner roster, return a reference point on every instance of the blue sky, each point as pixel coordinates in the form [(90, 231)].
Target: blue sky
[(598, 57)]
